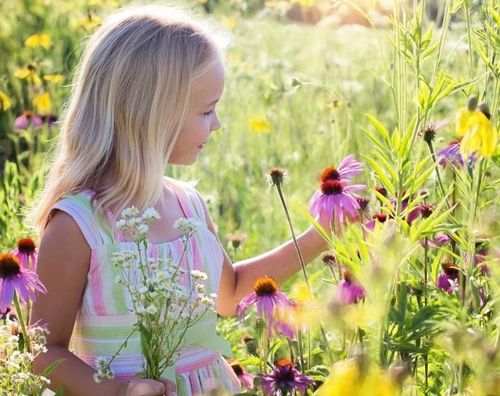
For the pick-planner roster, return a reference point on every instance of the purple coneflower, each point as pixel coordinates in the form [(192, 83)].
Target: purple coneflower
[(26, 253), (349, 290), (376, 218), (246, 380), (285, 379), (347, 169), (438, 240), (423, 210), (450, 155), (267, 299), (16, 279), (448, 279), (26, 119), (335, 201)]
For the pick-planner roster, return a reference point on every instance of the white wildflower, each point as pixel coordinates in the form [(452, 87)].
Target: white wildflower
[(187, 226), (151, 309), (150, 214), (199, 275)]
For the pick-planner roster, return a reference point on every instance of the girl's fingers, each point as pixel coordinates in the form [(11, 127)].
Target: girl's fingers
[(169, 386), (146, 387)]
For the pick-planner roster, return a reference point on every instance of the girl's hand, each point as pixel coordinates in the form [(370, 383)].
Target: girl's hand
[(147, 387)]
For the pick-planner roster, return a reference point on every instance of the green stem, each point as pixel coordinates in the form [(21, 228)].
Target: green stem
[(27, 342)]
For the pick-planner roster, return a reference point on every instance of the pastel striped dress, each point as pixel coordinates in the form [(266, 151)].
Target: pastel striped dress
[(104, 320)]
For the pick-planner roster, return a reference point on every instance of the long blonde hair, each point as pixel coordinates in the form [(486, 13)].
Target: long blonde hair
[(129, 101)]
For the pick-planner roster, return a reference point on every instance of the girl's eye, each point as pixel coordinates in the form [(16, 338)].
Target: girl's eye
[(208, 113)]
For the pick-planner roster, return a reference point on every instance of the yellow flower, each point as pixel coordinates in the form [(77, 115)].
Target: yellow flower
[(89, 22), (346, 379), (230, 22), (39, 40), (42, 103), (28, 73), (54, 78), (477, 132), (334, 104), (4, 101), (259, 125)]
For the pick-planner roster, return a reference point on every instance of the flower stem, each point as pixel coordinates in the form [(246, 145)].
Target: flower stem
[(27, 343), (301, 261), (297, 248)]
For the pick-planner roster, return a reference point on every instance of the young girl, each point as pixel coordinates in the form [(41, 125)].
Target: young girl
[(144, 98)]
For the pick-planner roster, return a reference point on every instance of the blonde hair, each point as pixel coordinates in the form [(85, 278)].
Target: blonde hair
[(129, 102)]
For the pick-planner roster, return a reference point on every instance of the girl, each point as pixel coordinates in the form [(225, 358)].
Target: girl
[(144, 98)]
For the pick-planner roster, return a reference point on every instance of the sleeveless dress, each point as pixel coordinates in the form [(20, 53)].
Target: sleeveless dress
[(104, 319)]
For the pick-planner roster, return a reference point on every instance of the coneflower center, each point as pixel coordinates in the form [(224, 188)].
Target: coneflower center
[(237, 369), (450, 269), (331, 187), (266, 286), (381, 217), (425, 211), (9, 265), (330, 173), (26, 245)]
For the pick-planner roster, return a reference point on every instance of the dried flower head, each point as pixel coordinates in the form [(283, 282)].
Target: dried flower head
[(276, 176)]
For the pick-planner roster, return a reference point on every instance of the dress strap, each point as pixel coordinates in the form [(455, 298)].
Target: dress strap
[(79, 207), (189, 201)]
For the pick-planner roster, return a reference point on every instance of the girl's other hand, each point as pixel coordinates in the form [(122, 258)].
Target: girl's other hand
[(148, 387)]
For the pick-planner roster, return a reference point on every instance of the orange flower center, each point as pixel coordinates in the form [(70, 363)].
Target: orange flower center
[(9, 265), (26, 245), (381, 217), (329, 173), (284, 362), (265, 286), (330, 187)]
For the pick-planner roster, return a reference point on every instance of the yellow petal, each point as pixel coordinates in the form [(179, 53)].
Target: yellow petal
[(45, 40), (480, 136), (22, 73), (42, 103), (259, 125), (54, 78), (37, 40), (4, 101)]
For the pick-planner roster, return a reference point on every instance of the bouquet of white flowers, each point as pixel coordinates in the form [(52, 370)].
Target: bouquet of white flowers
[(164, 306)]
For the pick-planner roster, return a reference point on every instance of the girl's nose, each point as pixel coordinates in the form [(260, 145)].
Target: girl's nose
[(215, 123)]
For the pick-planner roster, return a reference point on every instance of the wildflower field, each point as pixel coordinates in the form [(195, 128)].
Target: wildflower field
[(383, 115)]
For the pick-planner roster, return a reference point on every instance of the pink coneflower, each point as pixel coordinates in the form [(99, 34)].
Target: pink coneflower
[(349, 290), (26, 253), (448, 279), (246, 380), (437, 241), (334, 200), (16, 279), (285, 379), (376, 218), (267, 299), (423, 210), (347, 169), (450, 155), (26, 119)]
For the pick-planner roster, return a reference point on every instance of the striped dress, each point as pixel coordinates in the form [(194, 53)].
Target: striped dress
[(104, 319)]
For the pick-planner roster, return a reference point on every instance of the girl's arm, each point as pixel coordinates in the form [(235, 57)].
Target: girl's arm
[(63, 263), (280, 263)]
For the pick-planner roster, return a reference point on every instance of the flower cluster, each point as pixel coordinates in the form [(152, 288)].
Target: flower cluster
[(165, 299), (103, 370), (16, 376)]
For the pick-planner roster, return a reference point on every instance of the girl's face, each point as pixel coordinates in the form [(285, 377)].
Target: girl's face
[(202, 117)]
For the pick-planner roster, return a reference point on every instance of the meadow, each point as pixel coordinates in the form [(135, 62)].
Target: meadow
[(302, 97)]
